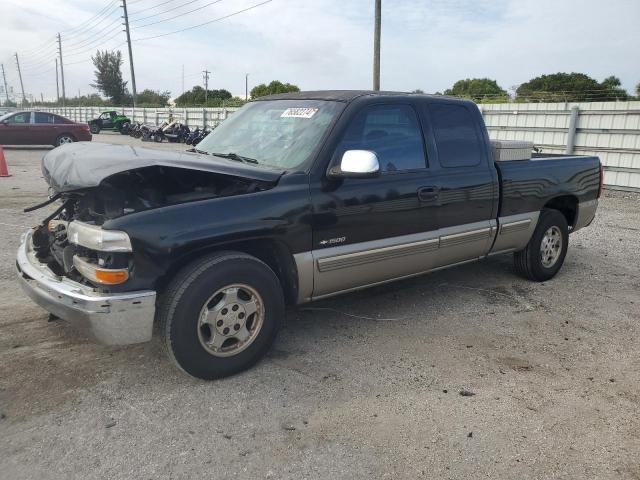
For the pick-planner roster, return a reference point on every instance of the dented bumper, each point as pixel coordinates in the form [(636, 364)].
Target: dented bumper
[(112, 319)]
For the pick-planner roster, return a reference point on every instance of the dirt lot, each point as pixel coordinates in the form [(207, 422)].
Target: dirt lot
[(362, 386)]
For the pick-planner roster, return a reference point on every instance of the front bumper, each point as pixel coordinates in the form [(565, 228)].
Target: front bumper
[(112, 319)]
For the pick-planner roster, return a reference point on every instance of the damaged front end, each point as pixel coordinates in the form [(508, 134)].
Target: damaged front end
[(77, 268), (72, 243)]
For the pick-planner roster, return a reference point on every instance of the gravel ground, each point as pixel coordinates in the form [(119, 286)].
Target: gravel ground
[(364, 386)]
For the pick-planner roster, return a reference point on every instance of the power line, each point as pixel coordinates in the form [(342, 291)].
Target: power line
[(94, 47), (81, 43), (166, 11), (148, 8), (95, 41), (180, 15), (90, 20), (205, 23)]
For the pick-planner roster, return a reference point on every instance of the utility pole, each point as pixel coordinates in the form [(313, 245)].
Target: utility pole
[(183, 78), (246, 87), (133, 75), (6, 90), (376, 46), (205, 76), (57, 86), (64, 96), (24, 99)]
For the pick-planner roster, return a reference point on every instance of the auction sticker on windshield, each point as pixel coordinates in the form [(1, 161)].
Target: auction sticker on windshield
[(299, 112)]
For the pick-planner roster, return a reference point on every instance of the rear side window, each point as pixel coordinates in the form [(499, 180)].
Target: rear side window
[(392, 132), (41, 117), (456, 136)]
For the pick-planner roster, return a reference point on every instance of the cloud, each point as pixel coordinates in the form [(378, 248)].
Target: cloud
[(323, 44)]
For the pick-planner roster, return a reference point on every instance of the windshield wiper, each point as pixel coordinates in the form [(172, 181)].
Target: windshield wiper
[(235, 156)]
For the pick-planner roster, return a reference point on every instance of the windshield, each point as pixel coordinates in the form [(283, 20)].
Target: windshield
[(278, 133)]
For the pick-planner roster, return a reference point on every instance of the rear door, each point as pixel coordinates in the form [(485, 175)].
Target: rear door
[(370, 230), (15, 129), (44, 129), (466, 177)]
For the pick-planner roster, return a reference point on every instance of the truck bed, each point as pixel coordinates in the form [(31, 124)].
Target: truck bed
[(526, 185)]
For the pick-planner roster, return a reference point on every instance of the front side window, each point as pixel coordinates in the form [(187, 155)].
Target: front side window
[(105, 116), (456, 136), (41, 117), (392, 132), (276, 133), (24, 117)]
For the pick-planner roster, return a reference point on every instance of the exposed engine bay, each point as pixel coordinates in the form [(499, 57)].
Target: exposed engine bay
[(121, 194), (152, 187)]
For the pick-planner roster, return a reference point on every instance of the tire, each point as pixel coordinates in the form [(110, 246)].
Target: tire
[(94, 128), (64, 139), (193, 295), (541, 261), (158, 138), (124, 128)]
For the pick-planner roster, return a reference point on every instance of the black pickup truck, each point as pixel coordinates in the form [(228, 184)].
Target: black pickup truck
[(294, 198)]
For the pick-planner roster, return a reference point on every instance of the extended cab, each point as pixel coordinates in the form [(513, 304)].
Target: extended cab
[(294, 198)]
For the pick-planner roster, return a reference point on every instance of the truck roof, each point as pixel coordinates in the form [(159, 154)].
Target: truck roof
[(342, 95)]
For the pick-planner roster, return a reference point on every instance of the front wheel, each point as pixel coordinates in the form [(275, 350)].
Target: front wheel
[(544, 255), (95, 128), (221, 314)]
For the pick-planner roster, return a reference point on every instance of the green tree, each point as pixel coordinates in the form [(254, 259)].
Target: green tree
[(477, 89), (638, 90), (9, 103), (570, 87), (417, 90), (274, 87), (109, 76), (196, 97), (153, 98)]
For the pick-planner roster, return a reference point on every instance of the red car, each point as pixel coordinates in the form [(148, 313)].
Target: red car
[(41, 128)]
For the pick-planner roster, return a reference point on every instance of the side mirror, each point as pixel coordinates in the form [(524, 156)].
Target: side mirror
[(357, 164)]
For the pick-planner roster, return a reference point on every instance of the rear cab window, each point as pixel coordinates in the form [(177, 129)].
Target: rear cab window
[(456, 135), (392, 132)]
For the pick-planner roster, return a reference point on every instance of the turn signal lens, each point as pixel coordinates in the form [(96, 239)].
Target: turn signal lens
[(105, 276), (111, 277)]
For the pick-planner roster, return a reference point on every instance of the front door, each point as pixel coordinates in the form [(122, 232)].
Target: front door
[(106, 119), (370, 230), (15, 129)]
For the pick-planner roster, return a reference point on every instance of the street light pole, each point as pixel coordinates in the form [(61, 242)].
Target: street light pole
[(246, 87)]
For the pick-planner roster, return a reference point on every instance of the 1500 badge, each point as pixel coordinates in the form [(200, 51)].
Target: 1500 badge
[(333, 241)]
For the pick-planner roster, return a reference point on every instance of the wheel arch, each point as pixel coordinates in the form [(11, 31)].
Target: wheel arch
[(565, 204), (272, 252)]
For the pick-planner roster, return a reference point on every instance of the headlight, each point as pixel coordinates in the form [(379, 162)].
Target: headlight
[(95, 238)]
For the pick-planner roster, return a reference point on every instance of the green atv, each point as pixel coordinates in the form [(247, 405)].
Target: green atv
[(110, 121)]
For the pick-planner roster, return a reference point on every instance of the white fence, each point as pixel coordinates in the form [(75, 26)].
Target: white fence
[(610, 130), (193, 117)]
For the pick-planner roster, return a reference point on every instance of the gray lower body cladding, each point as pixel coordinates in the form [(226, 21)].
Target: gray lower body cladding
[(334, 270)]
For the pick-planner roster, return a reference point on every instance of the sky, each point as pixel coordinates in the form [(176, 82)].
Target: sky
[(322, 44)]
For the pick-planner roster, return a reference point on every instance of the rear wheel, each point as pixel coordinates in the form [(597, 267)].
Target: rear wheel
[(221, 314), (544, 255), (64, 138)]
